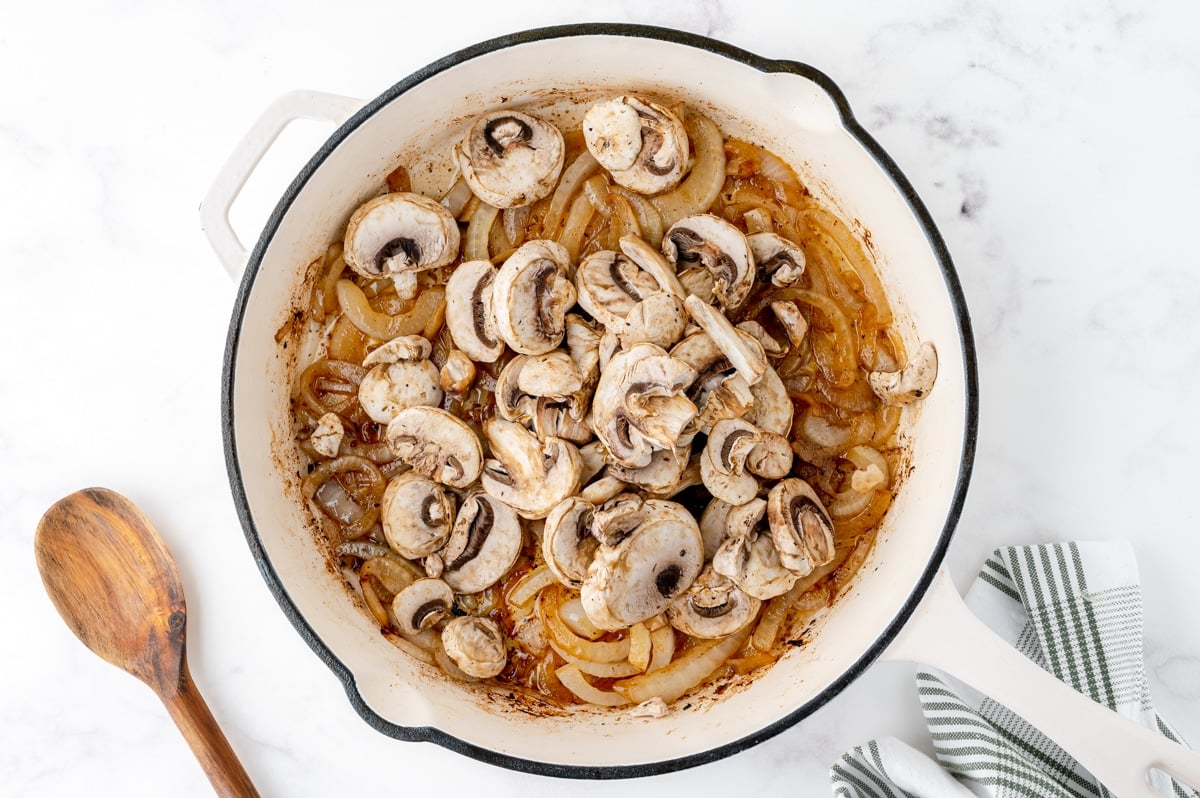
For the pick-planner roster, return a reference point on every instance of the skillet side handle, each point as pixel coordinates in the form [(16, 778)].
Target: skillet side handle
[(943, 633), (214, 210)]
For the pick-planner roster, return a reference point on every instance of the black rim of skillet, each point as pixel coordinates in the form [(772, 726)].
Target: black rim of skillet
[(953, 287)]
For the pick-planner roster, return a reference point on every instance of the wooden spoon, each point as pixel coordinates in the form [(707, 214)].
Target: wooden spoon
[(116, 585)]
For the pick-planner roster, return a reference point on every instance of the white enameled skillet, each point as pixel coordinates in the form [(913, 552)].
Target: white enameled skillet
[(899, 606)]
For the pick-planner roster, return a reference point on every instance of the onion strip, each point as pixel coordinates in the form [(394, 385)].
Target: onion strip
[(687, 671), (847, 243), (703, 184), (528, 586), (475, 244), (602, 670), (662, 647), (583, 167), (648, 218), (607, 651), (571, 236), (573, 679), (572, 614), (380, 325), (639, 647)]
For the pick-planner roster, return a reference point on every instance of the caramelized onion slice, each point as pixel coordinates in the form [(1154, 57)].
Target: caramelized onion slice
[(693, 667), (381, 325), (574, 680), (582, 648), (528, 586), (702, 185), (602, 670)]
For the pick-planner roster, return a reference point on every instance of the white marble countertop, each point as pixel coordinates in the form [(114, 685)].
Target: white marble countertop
[(1056, 149)]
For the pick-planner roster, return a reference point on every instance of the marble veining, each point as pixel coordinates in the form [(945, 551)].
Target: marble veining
[(1053, 143)]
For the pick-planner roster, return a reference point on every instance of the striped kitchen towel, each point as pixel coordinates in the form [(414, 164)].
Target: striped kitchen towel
[(1073, 608)]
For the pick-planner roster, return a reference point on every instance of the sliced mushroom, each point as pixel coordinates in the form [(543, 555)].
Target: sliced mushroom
[(800, 526), (553, 374), (483, 546), (748, 555), (719, 247), (771, 457), (529, 475), (400, 232), (770, 345), (617, 517), (327, 437), (714, 526), (531, 296), (793, 321), (510, 159), (712, 607), (457, 373), (401, 376), (593, 456), (661, 476), (417, 515), (583, 344), (744, 352), (567, 542), (910, 383), (422, 604), (653, 264), (642, 144), (723, 462), (771, 408), (609, 284), (778, 257), (658, 319), (553, 419), (603, 489), (640, 406), (641, 575), (718, 390), (469, 314), (699, 282), (476, 645), (437, 445)]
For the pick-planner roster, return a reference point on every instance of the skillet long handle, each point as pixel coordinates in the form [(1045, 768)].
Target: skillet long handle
[(208, 743), (945, 634)]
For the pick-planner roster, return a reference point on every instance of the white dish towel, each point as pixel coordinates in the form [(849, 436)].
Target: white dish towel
[(1073, 608)]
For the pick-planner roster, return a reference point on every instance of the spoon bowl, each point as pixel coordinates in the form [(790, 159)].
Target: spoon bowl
[(115, 584)]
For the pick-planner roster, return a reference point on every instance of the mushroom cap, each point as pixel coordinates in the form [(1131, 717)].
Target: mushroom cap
[(510, 159), (417, 515), (778, 257), (800, 526), (713, 607), (401, 377), (642, 144), (771, 457), (661, 476), (642, 574), (422, 604), (749, 558), (658, 319), (723, 462), (437, 445), (718, 246), (743, 349), (640, 405), (610, 284), (400, 232), (483, 546), (531, 296), (469, 314), (912, 382), (567, 542), (529, 475), (476, 645)]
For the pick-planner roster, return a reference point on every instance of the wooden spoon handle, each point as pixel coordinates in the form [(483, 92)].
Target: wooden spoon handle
[(208, 743)]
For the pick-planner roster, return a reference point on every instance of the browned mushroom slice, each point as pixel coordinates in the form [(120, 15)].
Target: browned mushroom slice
[(417, 515), (469, 314), (713, 607), (641, 575), (398, 233), (422, 604), (531, 296), (510, 159), (715, 244), (642, 144), (567, 542), (778, 257), (476, 645), (723, 462), (483, 546), (437, 445), (529, 475), (800, 526), (910, 383), (748, 555)]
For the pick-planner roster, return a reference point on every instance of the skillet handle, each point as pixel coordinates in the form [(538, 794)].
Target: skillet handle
[(1119, 752), (214, 210)]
